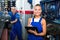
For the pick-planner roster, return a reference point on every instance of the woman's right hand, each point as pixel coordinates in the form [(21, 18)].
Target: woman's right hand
[(33, 32), (30, 31)]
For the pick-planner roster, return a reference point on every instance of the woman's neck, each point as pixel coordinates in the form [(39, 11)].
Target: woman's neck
[(14, 13), (37, 16)]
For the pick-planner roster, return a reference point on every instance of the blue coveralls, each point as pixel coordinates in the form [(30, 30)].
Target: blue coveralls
[(16, 27), (39, 27)]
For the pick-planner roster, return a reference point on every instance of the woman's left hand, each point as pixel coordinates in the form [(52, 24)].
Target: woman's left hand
[(35, 33)]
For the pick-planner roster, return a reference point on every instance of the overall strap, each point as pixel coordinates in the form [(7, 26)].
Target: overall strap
[(33, 19), (40, 19)]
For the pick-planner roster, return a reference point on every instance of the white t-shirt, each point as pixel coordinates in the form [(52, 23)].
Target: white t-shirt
[(35, 20)]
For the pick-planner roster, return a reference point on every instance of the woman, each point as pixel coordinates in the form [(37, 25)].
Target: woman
[(16, 27), (39, 22)]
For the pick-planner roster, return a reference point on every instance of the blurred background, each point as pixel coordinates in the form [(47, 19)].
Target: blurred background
[(50, 11)]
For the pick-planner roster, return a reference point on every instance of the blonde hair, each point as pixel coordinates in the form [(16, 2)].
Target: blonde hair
[(37, 5), (13, 7)]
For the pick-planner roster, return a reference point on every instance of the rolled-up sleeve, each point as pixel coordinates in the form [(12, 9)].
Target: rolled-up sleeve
[(10, 13), (17, 16)]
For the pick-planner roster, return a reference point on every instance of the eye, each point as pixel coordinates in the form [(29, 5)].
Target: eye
[(35, 9)]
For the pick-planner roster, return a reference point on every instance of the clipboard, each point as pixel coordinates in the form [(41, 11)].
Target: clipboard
[(31, 28)]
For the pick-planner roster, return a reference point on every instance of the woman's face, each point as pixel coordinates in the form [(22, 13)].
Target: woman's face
[(13, 10), (37, 10)]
